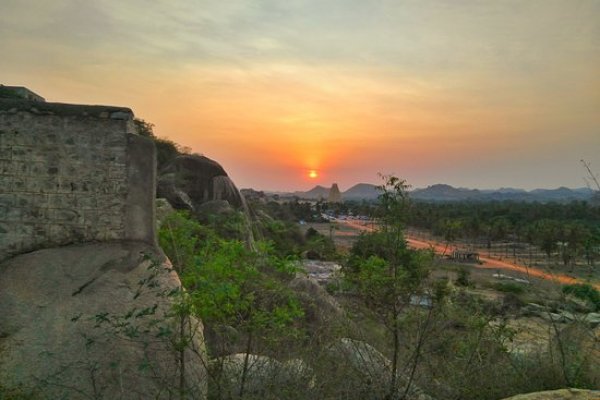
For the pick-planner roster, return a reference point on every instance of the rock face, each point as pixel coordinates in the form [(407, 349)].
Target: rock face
[(201, 186), (95, 321), (561, 394), (189, 181)]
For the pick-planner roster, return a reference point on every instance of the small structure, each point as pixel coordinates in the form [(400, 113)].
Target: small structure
[(19, 92), (467, 256)]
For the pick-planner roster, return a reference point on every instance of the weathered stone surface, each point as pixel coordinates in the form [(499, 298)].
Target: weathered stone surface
[(200, 179), (200, 185), (265, 376), (322, 271), (561, 394), (163, 210), (95, 321), (67, 175), (320, 308)]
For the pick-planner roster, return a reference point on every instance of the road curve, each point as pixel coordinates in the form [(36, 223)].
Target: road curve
[(486, 262)]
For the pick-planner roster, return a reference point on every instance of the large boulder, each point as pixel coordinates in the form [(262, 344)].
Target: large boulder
[(265, 377), (321, 310), (189, 181), (201, 186), (96, 321)]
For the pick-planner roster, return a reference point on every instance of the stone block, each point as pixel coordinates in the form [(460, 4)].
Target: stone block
[(7, 199), (18, 184), (13, 214), (6, 167), (5, 152), (20, 168), (21, 153), (25, 200), (32, 185), (24, 230), (64, 215), (6, 183), (23, 138), (5, 137), (85, 203), (4, 212)]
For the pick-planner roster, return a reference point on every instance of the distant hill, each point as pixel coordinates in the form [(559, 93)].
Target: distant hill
[(316, 193), (442, 192), (361, 191), (446, 193)]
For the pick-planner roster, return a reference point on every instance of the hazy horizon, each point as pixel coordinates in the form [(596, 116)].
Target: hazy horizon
[(413, 187), (475, 94)]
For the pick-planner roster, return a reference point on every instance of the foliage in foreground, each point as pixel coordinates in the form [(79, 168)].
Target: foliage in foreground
[(230, 286)]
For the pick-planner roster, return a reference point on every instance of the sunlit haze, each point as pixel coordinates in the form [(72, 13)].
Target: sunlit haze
[(289, 94)]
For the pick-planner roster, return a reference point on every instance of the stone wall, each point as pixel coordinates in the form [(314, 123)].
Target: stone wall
[(72, 174)]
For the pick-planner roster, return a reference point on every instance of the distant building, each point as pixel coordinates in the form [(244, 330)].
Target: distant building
[(19, 92), (334, 194)]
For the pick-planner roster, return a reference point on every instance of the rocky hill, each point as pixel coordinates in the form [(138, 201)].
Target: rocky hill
[(446, 193), (361, 191)]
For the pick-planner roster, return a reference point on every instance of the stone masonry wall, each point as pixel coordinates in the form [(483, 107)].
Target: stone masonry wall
[(69, 174)]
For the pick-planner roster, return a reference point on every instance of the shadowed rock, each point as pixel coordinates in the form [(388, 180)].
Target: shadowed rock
[(189, 181), (201, 186)]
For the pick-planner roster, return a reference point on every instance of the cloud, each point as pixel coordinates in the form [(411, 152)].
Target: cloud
[(324, 79)]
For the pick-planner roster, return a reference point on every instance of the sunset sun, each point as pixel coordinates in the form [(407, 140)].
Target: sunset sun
[(312, 174)]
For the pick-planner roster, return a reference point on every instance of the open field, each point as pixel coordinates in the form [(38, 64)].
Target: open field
[(345, 232)]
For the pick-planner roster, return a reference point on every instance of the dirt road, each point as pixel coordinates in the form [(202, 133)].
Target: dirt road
[(487, 262)]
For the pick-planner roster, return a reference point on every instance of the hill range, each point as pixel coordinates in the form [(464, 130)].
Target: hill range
[(447, 193)]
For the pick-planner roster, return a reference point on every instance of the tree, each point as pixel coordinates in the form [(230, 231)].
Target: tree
[(228, 284), (387, 274), (166, 149)]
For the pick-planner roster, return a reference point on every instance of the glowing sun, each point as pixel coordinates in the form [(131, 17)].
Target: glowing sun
[(312, 174)]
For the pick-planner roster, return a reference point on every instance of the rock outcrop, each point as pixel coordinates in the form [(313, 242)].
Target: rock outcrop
[(201, 186), (266, 377), (95, 321), (189, 181), (321, 310)]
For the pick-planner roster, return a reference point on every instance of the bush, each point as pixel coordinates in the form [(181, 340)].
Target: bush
[(584, 292), (463, 277), (509, 287)]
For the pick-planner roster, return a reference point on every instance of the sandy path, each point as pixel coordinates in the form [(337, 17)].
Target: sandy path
[(487, 262)]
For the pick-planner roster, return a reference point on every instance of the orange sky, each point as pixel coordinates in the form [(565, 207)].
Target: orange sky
[(470, 93)]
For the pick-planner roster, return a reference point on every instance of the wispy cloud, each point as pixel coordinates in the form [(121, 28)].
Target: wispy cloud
[(349, 85)]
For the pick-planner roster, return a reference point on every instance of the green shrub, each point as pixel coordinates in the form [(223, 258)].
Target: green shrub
[(509, 287), (584, 292), (463, 277)]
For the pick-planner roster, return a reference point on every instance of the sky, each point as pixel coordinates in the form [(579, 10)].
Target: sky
[(479, 94)]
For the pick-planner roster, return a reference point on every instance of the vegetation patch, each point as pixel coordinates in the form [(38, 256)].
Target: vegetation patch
[(584, 292)]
